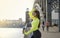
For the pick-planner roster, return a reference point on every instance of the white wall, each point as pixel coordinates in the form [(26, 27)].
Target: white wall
[(54, 15)]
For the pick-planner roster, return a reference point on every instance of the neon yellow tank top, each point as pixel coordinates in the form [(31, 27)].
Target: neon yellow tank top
[(34, 27)]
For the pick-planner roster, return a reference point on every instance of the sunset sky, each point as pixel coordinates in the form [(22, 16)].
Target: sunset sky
[(14, 9)]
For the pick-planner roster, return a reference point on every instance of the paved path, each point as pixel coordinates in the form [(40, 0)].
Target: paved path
[(52, 33)]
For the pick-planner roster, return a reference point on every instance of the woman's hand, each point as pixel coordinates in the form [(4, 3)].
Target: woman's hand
[(25, 32)]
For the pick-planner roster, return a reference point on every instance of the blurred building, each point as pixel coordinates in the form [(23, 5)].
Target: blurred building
[(12, 23), (47, 6), (28, 22)]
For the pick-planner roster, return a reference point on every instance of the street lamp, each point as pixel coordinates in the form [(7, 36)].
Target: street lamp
[(59, 15)]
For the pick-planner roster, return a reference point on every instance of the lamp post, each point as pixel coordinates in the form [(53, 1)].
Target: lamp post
[(59, 15), (59, 20)]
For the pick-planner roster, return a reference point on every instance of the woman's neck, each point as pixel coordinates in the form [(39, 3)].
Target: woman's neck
[(34, 18)]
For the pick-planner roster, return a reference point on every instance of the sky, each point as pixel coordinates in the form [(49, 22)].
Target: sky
[(14, 9)]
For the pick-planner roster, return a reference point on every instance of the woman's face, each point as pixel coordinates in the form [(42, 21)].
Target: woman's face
[(34, 14)]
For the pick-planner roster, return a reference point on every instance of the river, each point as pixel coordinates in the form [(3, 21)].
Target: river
[(11, 33)]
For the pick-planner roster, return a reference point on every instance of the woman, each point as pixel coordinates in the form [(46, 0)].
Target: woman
[(35, 25), (43, 26), (47, 25)]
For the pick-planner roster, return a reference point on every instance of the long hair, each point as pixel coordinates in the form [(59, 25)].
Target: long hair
[(38, 16)]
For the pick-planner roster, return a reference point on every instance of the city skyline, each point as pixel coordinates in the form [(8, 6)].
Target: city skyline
[(14, 9)]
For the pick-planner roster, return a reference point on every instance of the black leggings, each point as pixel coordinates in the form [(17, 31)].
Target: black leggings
[(36, 34)]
